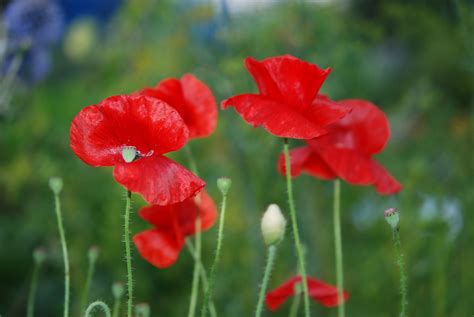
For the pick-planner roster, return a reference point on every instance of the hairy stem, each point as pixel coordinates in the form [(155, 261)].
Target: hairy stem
[(338, 248), (128, 256), (298, 247), (65, 254), (403, 277), (97, 304), (295, 305), (87, 285), (116, 309), (212, 275), (33, 288), (266, 279)]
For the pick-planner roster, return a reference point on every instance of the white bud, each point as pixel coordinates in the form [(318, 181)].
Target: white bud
[(273, 225)]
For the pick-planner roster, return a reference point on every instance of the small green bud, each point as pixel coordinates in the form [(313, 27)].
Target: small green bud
[(224, 183), (142, 310), (129, 153), (273, 225), (56, 184), (392, 215), (39, 255), (117, 290), (93, 253)]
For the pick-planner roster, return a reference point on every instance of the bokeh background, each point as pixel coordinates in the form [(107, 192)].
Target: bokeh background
[(414, 59)]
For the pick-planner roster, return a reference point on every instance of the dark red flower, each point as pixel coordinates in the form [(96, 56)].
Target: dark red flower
[(347, 150), (287, 105), (192, 99), (172, 224), (132, 133), (319, 292)]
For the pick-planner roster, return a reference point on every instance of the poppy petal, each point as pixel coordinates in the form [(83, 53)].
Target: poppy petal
[(192, 99), (276, 118), (324, 111), (286, 77), (158, 179), (275, 298), (325, 294), (385, 184), (99, 132), (159, 248), (304, 159), (162, 217)]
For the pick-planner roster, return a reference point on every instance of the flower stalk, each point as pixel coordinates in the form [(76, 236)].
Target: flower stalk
[(298, 247), (128, 256), (56, 185), (224, 185), (92, 255), (117, 291), (99, 305), (341, 311), (266, 278), (39, 256)]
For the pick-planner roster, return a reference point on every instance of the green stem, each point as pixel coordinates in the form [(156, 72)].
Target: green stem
[(65, 254), (266, 278), (403, 277), (116, 309), (87, 286), (97, 304), (212, 277), (341, 312), (298, 247), (295, 305), (128, 256), (33, 288)]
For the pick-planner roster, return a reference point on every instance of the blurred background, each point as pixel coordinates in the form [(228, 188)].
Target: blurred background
[(414, 59)]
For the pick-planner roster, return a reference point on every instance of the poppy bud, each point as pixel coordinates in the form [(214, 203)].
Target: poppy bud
[(142, 310), (39, 255), (393, 217), (129, 153), (117, 290), (93, 253), (224, 183), (56, 184), (273, 225)]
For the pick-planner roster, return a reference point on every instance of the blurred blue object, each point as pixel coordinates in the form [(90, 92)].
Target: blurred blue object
[(33, 23), (34, 64), (102, 10)]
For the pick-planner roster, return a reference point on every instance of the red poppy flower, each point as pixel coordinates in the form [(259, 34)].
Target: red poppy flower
[(347, 150), (319, 292), (287, 105), (192, 99), (132, 133), (172, 224)]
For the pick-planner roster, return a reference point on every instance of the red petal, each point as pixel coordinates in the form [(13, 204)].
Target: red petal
[(287, 79), (385, 184), (99, 132), (352, 166), (275, 117), (192, 99), (165, 217), (324, 111), (325, 294), (364, 129), (275, 298), (158, 179), (159, 248), (304, 159)]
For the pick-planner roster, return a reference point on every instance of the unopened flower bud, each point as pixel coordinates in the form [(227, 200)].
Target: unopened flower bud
[(273, 225), (392, 216), (93, 253), (39, 255), (117, 290), (224, 183), (142, 310), (56, 184)]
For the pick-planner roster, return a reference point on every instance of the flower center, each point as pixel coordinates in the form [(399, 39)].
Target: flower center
[(130, 153)]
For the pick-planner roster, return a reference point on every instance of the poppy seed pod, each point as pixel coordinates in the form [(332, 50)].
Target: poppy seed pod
[(39, 255), (273, 225), (56, 185), (93, 253), (117, 290), (224, 183), (392, 216), (142, 310)]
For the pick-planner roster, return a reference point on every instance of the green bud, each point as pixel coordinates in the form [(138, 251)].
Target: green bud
[(93, 253), (392, 215), (273, 225), (224, 183), (39, 255), (117, 290), (142, 310), (129, 153), (56, 184)]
